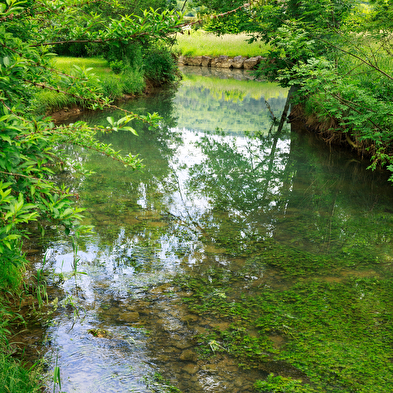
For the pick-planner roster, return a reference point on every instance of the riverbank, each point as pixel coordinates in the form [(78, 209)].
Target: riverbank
[(101, 77), (331, 132)]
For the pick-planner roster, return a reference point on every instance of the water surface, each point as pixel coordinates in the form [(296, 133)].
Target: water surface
[(220, 186)]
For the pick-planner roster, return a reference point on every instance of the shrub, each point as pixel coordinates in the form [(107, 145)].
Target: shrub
[(112, 87), (133, 81), (159, 65), (230, 24), (117, 66)]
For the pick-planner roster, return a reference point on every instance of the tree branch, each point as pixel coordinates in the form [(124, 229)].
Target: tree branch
[(357, 57)]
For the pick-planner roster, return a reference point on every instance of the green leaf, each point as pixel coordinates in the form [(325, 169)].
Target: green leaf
[(111, 121), (130, 129)]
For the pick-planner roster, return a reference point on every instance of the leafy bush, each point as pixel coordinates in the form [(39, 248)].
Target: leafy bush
[(117, 66), (230, 24), (159, 65), (128, 53), (74, 49), (133, 81), (112, 87)]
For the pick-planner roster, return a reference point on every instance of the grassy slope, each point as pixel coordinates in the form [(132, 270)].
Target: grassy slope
[(100, 77)]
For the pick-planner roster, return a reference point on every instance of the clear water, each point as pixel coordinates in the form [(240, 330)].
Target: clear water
[(216, 184)]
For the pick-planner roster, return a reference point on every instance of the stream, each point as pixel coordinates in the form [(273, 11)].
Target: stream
[(221, 191)]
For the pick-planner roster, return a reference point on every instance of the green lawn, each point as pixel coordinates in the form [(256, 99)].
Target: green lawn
[(99, 66), (201, 43)]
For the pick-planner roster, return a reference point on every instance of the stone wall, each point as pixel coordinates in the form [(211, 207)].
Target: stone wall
[(238, 62)]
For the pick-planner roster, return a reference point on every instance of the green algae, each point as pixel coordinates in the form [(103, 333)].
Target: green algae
[(338, 334), (278, 384)]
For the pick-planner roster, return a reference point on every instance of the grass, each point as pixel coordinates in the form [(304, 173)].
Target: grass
[(66, 64), (201, 43), (15, 378), (100, 76)]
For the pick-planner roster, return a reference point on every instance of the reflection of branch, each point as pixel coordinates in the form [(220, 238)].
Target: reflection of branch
[(182, 199), (270, 110), (185, 207), (286, 108)]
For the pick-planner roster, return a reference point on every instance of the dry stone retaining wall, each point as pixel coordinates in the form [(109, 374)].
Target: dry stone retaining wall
[(238, 62)]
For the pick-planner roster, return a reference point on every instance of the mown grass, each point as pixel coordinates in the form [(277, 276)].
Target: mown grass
[(201, 43), (66, 64)]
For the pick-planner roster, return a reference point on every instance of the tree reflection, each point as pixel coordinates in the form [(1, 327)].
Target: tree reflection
[(277, 187)]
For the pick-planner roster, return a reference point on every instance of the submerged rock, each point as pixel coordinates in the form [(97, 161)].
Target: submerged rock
[(129, 316), (189, 355), (191, 368)]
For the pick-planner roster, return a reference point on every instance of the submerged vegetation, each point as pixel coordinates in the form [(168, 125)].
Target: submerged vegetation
[(311, 303), (333, 333)]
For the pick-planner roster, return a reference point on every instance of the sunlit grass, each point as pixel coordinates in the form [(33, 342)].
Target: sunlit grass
[(100, 76), (200, 43), (363, 51), (65, 64)]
